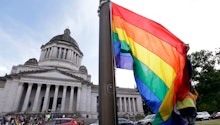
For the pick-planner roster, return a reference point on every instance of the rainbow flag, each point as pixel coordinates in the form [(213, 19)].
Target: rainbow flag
[(155, 55)]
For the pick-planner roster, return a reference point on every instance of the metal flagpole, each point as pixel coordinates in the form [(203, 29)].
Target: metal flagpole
[(107, 90)]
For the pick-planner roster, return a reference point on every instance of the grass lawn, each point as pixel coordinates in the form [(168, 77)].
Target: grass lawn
[(209, 122)]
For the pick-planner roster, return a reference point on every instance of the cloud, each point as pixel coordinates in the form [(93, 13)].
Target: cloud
[(17, 44)]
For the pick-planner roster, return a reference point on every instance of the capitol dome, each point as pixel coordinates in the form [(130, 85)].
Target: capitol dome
[(61, 51), (65, 38)]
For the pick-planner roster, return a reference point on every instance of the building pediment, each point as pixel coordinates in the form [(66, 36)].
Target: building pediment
[(49, 74)]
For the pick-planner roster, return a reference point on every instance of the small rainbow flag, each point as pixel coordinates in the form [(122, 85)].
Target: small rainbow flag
[(156, 56)]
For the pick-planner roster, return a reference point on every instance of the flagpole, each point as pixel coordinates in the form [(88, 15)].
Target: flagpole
[(107, 90)]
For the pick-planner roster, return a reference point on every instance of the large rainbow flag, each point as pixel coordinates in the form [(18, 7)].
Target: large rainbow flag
[(157, 58)]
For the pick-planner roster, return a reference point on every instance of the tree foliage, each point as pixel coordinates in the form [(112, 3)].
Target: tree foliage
[(207, 78)]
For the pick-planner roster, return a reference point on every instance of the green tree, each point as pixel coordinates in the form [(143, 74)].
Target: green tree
[(207, 79)]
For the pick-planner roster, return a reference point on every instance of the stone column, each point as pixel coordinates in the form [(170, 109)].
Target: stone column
[(64, 53), (27, 97), (129, 102), (120, 105), (63, 99), (69, 54), (36, 98), (78, 98), (45, 104), (54, 54), (18, 97), (71, 99), (60, 51), (55, 98), (125, 104), (47, 53), (133, 103), (74, 57), (51, 52)]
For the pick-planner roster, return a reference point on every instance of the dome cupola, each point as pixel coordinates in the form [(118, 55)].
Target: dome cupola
[(61, 51)]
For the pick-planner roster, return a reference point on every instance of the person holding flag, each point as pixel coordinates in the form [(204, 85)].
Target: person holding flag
[(187, 107)]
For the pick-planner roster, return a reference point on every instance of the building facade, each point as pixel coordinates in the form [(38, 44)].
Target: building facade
[(58, 83)]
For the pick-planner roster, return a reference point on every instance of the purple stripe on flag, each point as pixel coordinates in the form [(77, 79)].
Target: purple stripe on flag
[(125, 61)]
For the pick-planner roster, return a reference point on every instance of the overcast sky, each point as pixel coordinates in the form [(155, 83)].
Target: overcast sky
[(25, 25)]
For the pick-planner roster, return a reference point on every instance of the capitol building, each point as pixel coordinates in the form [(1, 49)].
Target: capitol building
[(58, 83)]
